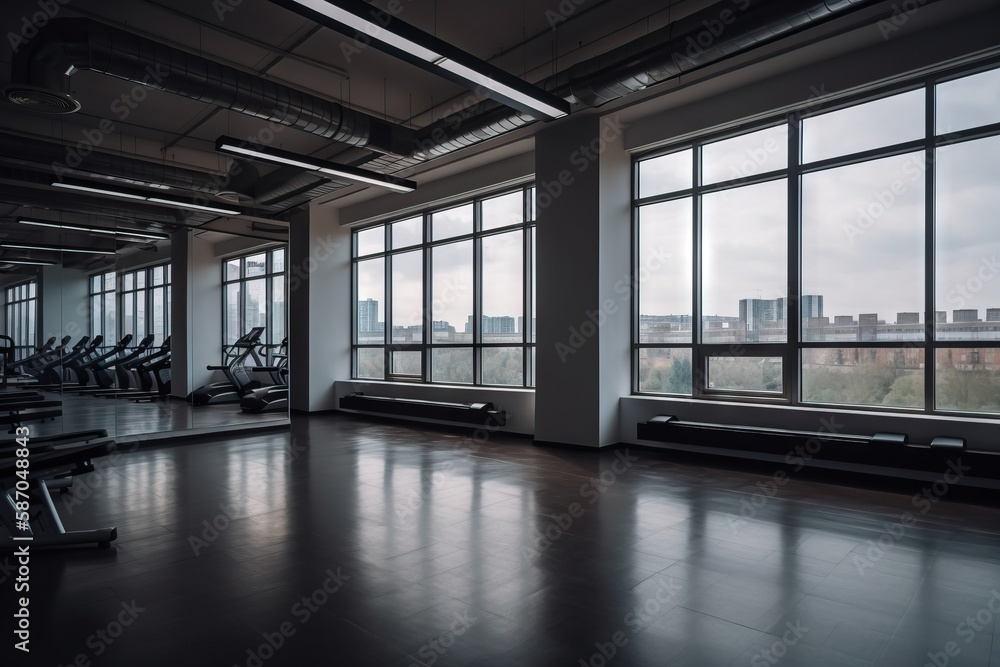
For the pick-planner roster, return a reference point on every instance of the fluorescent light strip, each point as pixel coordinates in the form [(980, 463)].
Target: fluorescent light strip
[(481, 79), (100, 191), (234, 148), (22, 246), (230, 145), (197, 207), (97, 230), (155, 200), (27, 262), (364, 179), (369, 28)]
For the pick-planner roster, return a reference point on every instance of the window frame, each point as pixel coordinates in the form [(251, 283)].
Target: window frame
[(427, 346), (242, 279), (792, 350), (16, 309)]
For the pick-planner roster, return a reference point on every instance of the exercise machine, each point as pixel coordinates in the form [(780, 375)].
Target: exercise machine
[(236, 369)]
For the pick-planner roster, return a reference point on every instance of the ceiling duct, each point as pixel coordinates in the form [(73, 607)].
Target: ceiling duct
[(62, 160), (680, 47), (69, 44)]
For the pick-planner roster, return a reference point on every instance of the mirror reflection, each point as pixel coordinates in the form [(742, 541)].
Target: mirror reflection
[(88, 312)]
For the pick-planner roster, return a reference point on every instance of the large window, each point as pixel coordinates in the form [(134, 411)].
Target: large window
[(133, 302), (103, 308), (21, 309), (144, 295), (447, 296), (254, 295), (844, 255)]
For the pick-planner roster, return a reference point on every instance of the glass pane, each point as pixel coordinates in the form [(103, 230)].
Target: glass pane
[(665, 371), (503, 365), (128, 281), (140, 279), (232, 269), (531, 204), (407, 232), (128, 314), (745, 156), (256, 265), (95, 286), (371, 240), (159, 322), (370, 280), (276, 327), (140, 317), (110, 329), (757, 374), (371, 363), (109, 281), (233, 324), (667, 173), (405, 362), (452, 365), (157, 275), (863, 250), (744, 249), (452, 222), (255, 304), (407, 297), (884, 122), (664, 272), (534, 282), (503, 210), (864, 376), (31, 290), (968, 102), (452, 291), (278, 260), (503, 288), (968, 380), (968, 241)]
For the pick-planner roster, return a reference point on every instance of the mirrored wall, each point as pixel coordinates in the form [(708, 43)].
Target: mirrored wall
[(142, 336)]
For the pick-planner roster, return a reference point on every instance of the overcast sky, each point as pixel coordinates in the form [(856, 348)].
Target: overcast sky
[(862, 225)]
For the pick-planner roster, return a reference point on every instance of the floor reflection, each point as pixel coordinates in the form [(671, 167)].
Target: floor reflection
[(381, 544)]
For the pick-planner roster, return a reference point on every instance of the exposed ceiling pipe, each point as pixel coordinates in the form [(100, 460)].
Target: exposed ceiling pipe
[(717, 32), (707, 36), (39, 74), (60, 159)]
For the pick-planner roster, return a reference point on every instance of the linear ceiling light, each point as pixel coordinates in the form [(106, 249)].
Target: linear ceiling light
[(84, 187), (233, 146), (28, 262), (424, 50), (52, 248), (118, 231)]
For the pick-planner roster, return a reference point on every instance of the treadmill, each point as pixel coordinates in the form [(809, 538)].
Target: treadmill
[(275, 397), (236, 369)]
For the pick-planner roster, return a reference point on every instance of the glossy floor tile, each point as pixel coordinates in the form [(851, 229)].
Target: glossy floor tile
[(348, 542)]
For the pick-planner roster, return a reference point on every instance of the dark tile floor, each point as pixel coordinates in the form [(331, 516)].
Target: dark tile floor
[(348, 542)]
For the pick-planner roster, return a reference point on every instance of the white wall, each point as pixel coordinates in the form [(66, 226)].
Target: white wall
[(319, 284)]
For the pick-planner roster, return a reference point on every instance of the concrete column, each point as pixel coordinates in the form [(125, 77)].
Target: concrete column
[(583, 289), (320, 310)]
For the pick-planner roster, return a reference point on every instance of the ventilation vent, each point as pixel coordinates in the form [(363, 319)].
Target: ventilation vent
[(41, 100)]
